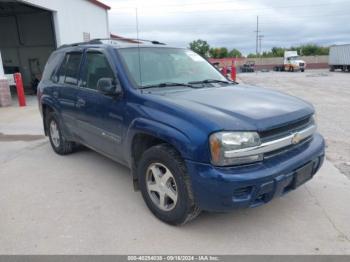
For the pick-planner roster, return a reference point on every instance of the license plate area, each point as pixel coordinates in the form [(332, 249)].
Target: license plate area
[(303, 174)]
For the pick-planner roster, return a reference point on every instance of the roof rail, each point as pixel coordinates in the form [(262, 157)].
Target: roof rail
[(113, 41), (93, 41), (130, 40)]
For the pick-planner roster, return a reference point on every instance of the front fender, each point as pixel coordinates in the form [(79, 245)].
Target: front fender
[(173, 136)]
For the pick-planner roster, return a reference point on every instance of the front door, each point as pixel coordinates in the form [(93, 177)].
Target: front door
[(101, 116)]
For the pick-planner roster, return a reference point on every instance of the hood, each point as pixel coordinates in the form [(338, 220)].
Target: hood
[(240, 107), (299, 61)]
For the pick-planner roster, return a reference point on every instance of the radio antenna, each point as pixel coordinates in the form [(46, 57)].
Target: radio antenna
[(138, 43)]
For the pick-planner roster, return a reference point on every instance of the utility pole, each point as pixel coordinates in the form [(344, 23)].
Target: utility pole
[(137, 23), (257, 34), (260, 38)]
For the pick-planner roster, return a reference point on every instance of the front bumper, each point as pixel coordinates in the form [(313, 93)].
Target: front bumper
[(226, 188)]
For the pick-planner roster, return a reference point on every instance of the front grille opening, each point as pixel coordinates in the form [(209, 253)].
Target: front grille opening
[(282, 131), (287, 148)]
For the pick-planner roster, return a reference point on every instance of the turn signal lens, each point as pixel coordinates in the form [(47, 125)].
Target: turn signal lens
[(215, 148)]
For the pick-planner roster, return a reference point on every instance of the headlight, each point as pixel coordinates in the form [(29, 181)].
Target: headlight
[(223, 142)]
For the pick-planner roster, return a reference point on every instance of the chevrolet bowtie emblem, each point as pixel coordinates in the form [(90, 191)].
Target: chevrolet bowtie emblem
[(296, 138)]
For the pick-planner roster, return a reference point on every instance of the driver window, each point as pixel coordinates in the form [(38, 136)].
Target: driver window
[(96, 67)]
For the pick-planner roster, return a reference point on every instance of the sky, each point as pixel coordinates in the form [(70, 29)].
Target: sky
[(232, 23)]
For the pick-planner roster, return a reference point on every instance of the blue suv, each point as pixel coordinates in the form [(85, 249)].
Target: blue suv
[(192, 139)]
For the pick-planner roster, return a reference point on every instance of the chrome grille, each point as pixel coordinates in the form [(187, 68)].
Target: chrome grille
[(285, 130)]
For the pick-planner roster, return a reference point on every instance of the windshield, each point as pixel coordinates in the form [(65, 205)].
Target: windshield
[(166, 65), (293, 58)]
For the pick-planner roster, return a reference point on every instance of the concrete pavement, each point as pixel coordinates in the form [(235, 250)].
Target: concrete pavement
[(84, 203)]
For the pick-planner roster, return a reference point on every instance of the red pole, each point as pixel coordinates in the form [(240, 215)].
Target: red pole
[(20, 90), (224, 71), (233, 72)]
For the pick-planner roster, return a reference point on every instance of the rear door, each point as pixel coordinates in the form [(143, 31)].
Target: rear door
[(101, 117), (66, 94)]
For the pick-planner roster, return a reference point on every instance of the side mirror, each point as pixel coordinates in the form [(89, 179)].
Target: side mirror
[(107, 86)]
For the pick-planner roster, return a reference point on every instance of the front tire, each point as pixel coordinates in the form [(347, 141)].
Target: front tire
[(58, 142), (165, 185)]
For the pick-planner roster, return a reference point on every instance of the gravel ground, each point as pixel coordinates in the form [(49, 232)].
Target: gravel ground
[(329, 92)]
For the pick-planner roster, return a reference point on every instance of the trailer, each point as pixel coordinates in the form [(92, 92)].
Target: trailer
[(339, 57)]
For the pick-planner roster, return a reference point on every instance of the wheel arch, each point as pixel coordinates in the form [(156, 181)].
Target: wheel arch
[(145, 133), (47, 106)]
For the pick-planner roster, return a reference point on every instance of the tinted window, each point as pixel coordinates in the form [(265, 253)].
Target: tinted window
[(51, 65), (69, 70), (96, 67)]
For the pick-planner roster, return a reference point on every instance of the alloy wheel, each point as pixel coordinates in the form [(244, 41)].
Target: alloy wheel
[(54, 133), (161, 186)]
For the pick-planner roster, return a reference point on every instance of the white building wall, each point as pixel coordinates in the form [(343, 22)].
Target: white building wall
[(73, 18)]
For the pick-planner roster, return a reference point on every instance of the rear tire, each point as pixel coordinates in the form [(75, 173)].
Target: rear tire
[(159, 170), (58, 142)]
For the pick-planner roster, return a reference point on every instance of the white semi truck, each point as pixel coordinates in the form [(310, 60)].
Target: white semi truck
[(291, 62), (339, 57)]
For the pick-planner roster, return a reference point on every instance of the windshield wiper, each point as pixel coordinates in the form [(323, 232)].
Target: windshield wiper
[(208, 81), (166, 84)]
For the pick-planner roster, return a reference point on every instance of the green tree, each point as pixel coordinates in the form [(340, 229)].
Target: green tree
[(235, 53), (276, 52), (223, 52), (214, 52), (312, 49), (308, 49), (251, 55), (220, 52), (200, 47)]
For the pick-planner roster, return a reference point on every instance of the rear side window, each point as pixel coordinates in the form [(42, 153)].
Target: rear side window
[(96, 67), (52, 63), (69, 70)]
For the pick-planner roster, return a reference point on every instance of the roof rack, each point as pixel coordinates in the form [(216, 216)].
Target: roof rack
[(113, 41), (128, 40)]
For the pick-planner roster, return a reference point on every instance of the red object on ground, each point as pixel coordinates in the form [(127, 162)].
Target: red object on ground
[(20, 90), (233, 73), (224, 71)]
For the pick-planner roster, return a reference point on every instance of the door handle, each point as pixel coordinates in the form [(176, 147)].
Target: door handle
[(55, 94), (81, 102)]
